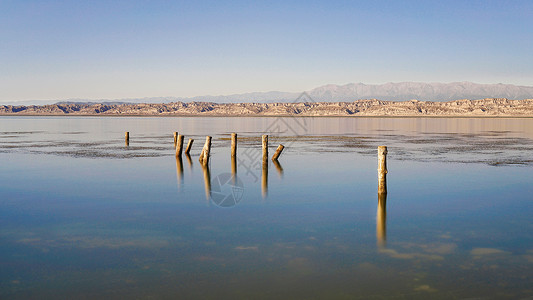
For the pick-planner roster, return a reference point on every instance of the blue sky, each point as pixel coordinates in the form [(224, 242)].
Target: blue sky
[(133, 49)]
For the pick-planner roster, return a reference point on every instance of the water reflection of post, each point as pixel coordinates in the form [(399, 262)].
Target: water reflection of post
[(381, 219), (234, 158), (207, 181), (264, 174), (188, 156), (278, 167), (179, 170), (233, 169), (264, 179)]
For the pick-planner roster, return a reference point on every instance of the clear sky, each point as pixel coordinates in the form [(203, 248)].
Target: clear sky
[(132, 49)]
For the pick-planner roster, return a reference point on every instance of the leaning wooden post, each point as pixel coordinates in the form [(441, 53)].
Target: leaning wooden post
[(382, 170), (233, 145), (179, 146), (265, 147), (189, 145), (175, 138), (127, 137), (207, 149), (204, 157), (278, 152)]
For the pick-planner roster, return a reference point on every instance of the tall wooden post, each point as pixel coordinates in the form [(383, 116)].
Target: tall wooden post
[(179, 146), (233, 145), (382, 169), (127, 138), (265, 147), (189, 145), (175, 138)]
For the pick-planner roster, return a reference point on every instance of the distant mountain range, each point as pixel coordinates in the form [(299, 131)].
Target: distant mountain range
[(405, 91), (402, 91)]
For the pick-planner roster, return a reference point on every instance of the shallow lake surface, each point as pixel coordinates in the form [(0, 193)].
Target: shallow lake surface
[(82, 215)]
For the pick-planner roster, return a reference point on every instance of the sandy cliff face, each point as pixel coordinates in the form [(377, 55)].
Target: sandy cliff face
[(484, 107)]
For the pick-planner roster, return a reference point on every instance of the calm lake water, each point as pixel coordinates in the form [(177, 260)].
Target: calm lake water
[(82, 215)]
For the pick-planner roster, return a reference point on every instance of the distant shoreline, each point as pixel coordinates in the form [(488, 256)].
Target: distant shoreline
[(270, 116), (485, 108)]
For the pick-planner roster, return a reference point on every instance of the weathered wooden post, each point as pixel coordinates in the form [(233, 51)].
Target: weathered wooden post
[(207, 149), (127, 138), (179, 146), (204, 156), (175, 138), (265, 147), (189, 145), (278, 152), (233, 145), (382, 170)]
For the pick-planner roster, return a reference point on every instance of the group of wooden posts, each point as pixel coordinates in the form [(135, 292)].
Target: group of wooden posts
[(204, 159), (206, 150), (178, 144), (381, 218), (204, 155)]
